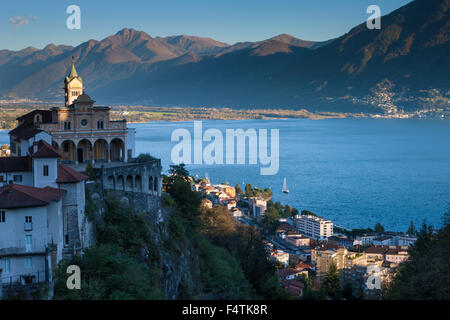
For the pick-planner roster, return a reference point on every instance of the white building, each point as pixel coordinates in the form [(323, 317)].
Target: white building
[(314, 227), (31, 233), (41, 214), (258, 206)]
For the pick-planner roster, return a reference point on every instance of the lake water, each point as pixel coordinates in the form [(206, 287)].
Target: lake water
[(356, 172)]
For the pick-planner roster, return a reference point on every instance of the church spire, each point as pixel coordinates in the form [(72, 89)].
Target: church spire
[(73, 71), (73, 85)]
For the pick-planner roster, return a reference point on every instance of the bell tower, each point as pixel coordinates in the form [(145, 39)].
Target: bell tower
[(73, 85)]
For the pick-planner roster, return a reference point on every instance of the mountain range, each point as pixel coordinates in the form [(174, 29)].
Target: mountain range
[(404, 65)]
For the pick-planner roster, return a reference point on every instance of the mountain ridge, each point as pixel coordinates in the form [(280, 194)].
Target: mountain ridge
[(402, 66)]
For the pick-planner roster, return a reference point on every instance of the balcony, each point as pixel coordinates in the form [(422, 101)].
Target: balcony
[(21, 248), (28, 226)]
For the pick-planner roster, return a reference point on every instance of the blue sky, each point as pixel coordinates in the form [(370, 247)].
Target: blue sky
[(35, 23)]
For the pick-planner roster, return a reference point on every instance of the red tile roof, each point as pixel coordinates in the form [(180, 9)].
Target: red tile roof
[(25, 131), (69, 175), (302, 265), (283, 273), (15, 164), (44, 150), (19, 196), (377, 250)]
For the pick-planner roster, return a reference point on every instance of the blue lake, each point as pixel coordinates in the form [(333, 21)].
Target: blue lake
[(356, 172)]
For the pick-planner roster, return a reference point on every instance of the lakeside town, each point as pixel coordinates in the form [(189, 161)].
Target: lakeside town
[(304, 246), (73, 189)]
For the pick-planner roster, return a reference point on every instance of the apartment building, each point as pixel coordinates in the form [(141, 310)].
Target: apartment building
[(314, 227)]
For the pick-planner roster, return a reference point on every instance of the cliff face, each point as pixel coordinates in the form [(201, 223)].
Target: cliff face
[(176, 262)]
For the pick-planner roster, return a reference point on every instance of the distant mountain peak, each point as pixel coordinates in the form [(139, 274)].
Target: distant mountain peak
[(291, 40)]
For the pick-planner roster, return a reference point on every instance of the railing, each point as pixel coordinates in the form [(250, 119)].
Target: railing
[(10, 248), (24, 279), (28, 226)]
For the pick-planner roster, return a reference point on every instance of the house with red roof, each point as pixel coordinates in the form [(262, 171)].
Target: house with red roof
[(31, 233), (42, 214)]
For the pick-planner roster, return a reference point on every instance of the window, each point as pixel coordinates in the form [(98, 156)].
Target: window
[(28, 263), (67, 125), (100, 125), (17, 178), (66, 239), (6, 266), (2, 178), (28, 219), (45, 170), (66, 147), (2, 216), (84, 122)]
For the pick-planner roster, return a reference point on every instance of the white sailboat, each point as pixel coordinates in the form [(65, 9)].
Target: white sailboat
[(285, 189)]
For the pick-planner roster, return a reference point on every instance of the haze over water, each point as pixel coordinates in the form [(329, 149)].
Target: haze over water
[(356, 172)]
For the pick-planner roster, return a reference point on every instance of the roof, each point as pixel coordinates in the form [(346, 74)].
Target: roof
[(15, 164), (292, 283), (44, 150), (19, 196), (303, 265), (283, 273), (377, 249), (73, 72), (25, 131), (69, 175), (46, 116), (84, 98), (382, 238)]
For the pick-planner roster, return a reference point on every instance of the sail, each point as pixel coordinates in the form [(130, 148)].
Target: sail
[(284, 185)]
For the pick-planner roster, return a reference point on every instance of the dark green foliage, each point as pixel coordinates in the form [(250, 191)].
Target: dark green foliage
[(332, 283), (354, 232), (222, 276), (308, 213), (426, 274), (412, 229), (251, 191), (179, 172), (270, 221), (144, 157), (347, 292), (108, 272), (379, 228), (123, 264), (90, 171), (308, 292), (238, 189)]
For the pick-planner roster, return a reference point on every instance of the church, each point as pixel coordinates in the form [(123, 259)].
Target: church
[(80, 131)]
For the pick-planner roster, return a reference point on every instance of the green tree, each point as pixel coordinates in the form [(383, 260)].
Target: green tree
[(347, 292), (90, 171), (308, 213), (425, 274), (412, 229), (238, 189), (144, 157), (379, 228), (270, 221), (332, 282), (179, 172), (249, 192)]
